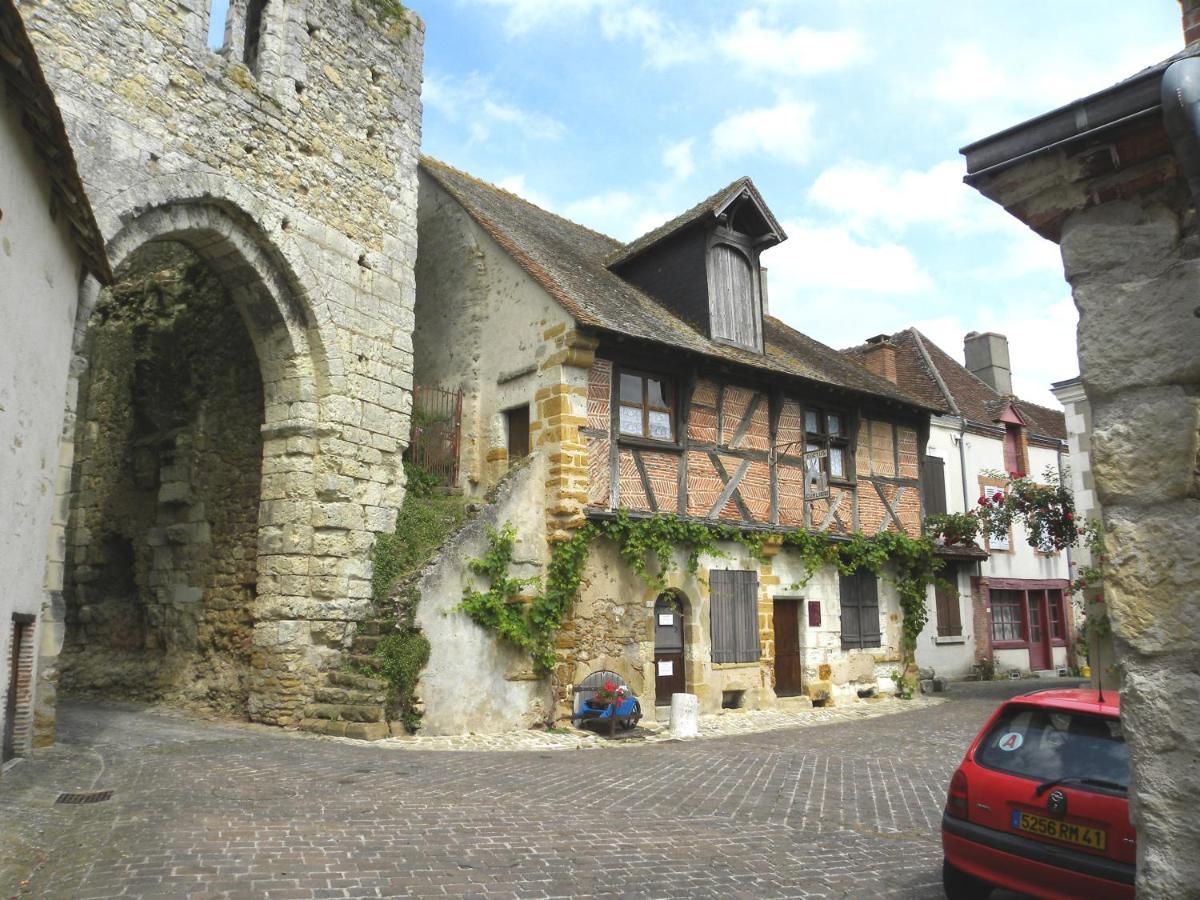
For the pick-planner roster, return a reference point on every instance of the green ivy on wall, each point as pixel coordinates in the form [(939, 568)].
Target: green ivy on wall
[(648, 546)]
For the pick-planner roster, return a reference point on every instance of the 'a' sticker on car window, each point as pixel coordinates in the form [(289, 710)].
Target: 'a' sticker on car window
[(1011, 741)]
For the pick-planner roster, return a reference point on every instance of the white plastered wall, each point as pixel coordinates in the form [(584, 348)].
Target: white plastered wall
[(39, 287)]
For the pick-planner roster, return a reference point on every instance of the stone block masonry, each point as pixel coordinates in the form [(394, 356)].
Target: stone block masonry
[(286, 162)]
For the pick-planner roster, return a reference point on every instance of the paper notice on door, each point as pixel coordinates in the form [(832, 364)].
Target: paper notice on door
[(666, 667), (666, 618)]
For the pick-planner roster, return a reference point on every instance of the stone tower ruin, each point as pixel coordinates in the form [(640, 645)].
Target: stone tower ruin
[(239, 400)]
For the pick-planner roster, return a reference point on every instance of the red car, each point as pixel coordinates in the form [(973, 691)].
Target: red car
[(1040, 802)]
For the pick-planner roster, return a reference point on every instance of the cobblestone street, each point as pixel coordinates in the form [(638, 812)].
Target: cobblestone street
[(845, 809)]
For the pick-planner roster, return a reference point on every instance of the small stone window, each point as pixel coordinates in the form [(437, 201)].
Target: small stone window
[(516, 421), (647, 406), (254, 33)]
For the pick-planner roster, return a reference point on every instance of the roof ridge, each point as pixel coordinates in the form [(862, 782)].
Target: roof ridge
[(931, 367), (427, 160), (645, 241)]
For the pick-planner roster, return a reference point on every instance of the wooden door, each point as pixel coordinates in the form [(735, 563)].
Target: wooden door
[(7, 743), (668, 650), (1039, 637), (787, 648)]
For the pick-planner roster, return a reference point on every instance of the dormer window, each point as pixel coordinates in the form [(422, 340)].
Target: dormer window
[(736, 312), (703, 265)]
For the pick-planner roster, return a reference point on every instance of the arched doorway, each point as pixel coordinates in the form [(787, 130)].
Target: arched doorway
[(186, 505), (161, 573), (669, 646)]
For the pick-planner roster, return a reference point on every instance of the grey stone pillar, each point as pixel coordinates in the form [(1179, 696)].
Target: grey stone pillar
[(1133, 269)]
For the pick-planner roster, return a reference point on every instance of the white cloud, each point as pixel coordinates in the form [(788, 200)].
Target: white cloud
[(1041, 343), (476, 104), (799, 51), (824, 258), (617, 213), (525, 15), (994, 92), (678, 158), (866, 195), (516, 184), (664, 42), (783, 131), (1029, 253)]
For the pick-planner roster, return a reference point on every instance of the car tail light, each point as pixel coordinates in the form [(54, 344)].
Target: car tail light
[(956, 797)]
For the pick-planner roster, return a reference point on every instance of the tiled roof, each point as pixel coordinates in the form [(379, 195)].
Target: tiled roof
[(20, 70), (709, 206), (929, 373), (569, 261)]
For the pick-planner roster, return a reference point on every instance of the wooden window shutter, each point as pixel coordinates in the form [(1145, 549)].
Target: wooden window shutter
[(868, 608), (949, 620), (933, 483), (746, 613), (720, 607), (848, 589)]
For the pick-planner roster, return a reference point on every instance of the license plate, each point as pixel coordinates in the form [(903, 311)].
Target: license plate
[(1069, 832)]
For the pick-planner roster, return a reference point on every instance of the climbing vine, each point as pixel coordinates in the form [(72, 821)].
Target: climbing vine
[(516, 611)]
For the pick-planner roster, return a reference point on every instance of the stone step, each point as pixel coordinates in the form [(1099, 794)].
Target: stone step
[(376, 625), (355, 680), (362, 731), (361, 660), (344, 696), (366, 643), (346, 712)]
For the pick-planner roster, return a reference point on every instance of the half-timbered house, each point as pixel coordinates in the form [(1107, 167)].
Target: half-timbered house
[(650, 377)]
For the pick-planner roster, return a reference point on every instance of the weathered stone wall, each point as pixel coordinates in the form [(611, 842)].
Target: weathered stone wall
[(295, 180), (611, 626), (161, 549), (1134, 272)]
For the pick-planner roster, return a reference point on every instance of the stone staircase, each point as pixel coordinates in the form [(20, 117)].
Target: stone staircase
[(348, 703)]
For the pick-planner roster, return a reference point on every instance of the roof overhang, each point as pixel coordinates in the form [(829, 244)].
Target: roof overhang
[(1133, 100)]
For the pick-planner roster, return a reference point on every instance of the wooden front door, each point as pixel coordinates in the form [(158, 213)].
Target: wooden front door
[(668, 650), (1039, 638), (787, 648)]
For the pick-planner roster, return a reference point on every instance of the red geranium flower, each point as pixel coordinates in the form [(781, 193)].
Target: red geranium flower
[(1070, 518), (997, 497), (983, 501)]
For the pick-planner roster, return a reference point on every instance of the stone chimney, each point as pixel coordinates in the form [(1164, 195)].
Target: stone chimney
[(987, 358), (880, 355), (1191, 21)]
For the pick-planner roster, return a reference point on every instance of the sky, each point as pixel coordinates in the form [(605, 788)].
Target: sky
[(847, 114)]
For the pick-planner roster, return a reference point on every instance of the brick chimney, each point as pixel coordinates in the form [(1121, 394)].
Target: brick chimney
[(987, 359), (1191, 21), (880, 355)]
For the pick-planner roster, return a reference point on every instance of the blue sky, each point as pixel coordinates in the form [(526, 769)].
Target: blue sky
[(847, 114)]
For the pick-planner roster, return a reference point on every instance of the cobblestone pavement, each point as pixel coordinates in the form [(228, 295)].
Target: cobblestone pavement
[(723, 724), (845, 809)]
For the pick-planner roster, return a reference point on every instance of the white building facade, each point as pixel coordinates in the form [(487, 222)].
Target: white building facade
[(1011, 608), (48, 240)]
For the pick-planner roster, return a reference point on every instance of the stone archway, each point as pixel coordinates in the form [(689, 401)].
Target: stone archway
[(185, 528)]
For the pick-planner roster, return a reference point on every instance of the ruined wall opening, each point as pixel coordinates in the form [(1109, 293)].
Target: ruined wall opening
[(161, 557)]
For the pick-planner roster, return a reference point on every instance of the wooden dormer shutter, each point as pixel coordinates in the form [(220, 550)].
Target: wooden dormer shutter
[(734, 315)]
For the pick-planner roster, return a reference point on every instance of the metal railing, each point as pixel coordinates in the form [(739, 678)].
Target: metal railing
[(436, 432)]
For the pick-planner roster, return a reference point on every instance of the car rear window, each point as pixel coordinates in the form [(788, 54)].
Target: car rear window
[(1048, 744)]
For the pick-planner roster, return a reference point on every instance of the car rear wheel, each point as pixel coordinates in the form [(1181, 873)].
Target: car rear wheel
[(958, 885)]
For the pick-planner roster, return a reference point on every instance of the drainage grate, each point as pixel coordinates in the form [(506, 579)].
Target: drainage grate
[(84, 797)]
